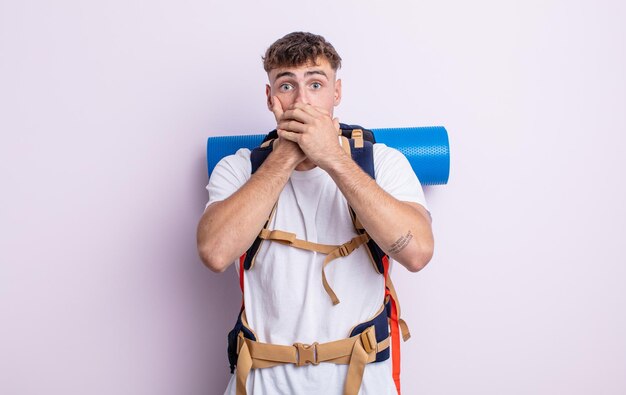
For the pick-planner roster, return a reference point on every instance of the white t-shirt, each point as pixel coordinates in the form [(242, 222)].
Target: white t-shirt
[(284, 297)]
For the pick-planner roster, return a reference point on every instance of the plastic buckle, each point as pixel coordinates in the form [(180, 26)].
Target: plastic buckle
[(306, 354), (368, 339), (343, 249)]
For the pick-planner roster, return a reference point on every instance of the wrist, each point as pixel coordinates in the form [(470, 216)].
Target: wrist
[(283, 161), (334, 163)]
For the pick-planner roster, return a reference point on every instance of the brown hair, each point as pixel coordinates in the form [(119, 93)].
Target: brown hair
[(300, 48)]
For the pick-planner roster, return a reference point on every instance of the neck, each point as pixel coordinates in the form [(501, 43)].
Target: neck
[(305, 165)]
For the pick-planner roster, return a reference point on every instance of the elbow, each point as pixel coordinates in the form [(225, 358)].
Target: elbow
[(420, 258), (209, 250), (212, 260), (211, 255)]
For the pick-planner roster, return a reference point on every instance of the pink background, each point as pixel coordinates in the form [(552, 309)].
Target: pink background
[(104, 112)]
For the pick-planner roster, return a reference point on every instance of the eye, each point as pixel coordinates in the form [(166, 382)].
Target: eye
[(316, 85), (285, 87)]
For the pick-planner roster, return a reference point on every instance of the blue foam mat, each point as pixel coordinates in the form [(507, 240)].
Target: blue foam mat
[(427, 149)]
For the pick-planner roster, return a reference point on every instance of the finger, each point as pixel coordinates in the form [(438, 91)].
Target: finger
[(299, 114), (312, 110), (292, 126), (322, 110), (287, 135), (277, 108)]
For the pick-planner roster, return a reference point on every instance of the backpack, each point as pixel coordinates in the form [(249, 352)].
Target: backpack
[(373, 335)]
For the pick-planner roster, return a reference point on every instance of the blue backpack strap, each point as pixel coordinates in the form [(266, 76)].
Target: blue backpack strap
[(346, 130), (257, 157), (259, 154), (364, 157)]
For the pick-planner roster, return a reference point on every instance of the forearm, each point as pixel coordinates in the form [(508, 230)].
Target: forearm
[(401, 229), (228, 227)]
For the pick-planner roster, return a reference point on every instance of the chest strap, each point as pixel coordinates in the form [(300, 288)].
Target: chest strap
[(355, 351), (332, 251)]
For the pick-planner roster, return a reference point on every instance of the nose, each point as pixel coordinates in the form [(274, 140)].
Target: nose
[(301, 96)]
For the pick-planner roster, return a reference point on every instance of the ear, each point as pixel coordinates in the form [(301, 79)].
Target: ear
[(337, 92), (268, 94)]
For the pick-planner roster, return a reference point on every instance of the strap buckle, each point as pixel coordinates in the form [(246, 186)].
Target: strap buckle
[(306, 354), (368, 339), (346, 248)]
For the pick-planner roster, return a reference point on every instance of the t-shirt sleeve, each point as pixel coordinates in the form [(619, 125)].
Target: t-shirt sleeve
[(395, 175), (230, 173)]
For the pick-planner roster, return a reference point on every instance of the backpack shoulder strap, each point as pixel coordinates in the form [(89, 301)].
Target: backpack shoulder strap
[(346, 130), (257, 157), (362, 150), (260, 153)]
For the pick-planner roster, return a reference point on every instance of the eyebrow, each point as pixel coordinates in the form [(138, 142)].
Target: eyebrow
[(308, 73)]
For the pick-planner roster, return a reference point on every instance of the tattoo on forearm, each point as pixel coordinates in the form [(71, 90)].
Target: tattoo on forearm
[(401, 243)]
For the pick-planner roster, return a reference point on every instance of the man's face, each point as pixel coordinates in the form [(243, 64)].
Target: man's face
[(313, 84)]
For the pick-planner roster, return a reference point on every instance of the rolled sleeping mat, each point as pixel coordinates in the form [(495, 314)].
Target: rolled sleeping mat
[(426, 147)]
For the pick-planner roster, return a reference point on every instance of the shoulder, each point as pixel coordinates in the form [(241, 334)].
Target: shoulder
[(396, 176), (387, 158), (235, 164), (381, 149), (230, 173)]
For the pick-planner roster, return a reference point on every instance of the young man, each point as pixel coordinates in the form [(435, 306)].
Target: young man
[(313, 179)]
